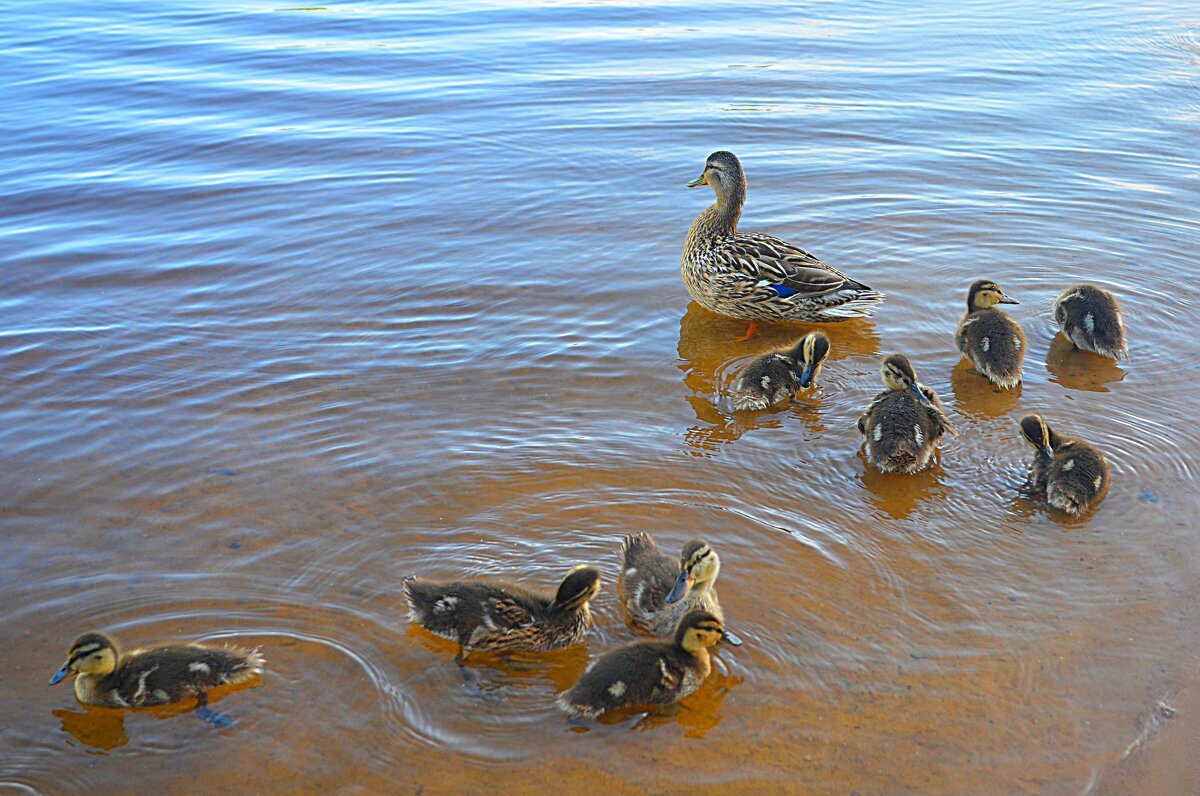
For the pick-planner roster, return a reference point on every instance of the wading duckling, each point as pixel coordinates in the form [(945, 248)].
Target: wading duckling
[(775, 377), (647, 672), (154, 675), (988, 337), (1071, 474), (657, 592), (756, 277), (505, 617), (1091, 319), (903, 424)]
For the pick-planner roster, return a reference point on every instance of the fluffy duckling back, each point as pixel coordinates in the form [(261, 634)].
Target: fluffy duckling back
[(775, 377), (904, 423), (651, 671), (658, 592), (152, 676), (1071, 474), (501, 616), (1091, 319), (988, 337)]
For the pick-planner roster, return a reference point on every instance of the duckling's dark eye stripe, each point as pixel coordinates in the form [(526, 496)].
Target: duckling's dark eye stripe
[(83, 652)]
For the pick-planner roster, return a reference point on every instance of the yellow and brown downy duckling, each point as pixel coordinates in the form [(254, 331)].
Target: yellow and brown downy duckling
[(1091, 319), (1071, 474), (657, 592), (989, 337), (647, 672), (776, 377), (904, 423), (504, 617), (154, 675)]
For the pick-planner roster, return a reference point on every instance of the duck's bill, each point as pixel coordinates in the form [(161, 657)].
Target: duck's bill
[(1006, 299), (701, 180), (917, 391), (61, 674), (806, 376), (731, 638), (683, 584), (1048, 452)]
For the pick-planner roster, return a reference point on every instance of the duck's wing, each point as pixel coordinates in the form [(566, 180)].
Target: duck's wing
[(793, 273), (646, 578)]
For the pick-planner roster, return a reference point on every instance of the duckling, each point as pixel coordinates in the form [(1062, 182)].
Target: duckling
[(1091, 319), (1070, 473), (154, 675), (650, 671), (989, 338), (904, 422), (657, 593), (504, 617), (775, 377)]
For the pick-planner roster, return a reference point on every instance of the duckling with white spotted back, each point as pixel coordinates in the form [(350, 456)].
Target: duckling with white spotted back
[(647, 672), (1069, 473), (503, 617), (776, 377), (1092, 320), (658, 592), (756, 277), (154, 675), (989, 337), (904, 423)]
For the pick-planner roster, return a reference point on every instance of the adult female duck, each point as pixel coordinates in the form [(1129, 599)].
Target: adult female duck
[(756, 277)]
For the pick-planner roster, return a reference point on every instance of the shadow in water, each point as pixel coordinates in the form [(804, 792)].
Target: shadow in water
[(1080, 370), (898, 494), (976, 396)]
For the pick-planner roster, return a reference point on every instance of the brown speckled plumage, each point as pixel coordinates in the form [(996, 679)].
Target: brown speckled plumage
[(1067, 472), (1092, 320)]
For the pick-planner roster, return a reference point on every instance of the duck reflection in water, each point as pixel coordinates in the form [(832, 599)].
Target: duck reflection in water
[(103, 728), (898, 494), (710, 363), (980, 398), (493, 676), (1080, 370)]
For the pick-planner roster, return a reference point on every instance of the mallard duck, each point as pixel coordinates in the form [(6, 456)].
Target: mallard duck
[(988, 337), (1091, 319), (154, 675), (657, 592), (505, 617), (903, 424), (775, 377), (647, 672), (1071, 474), (756, 277)]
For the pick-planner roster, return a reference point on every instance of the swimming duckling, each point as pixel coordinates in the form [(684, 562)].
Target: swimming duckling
[(776, 377), (650, 671), (154, 675), (500, 616), (903, 424), (988, 337), (658, 593), (1091, 319), (1070, 473)]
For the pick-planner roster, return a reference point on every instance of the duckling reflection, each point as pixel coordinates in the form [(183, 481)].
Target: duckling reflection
[(898, 494), (97, 727), (1080, 370), (979, 397)]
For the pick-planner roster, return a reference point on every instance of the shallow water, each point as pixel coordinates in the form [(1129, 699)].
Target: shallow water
[(297, 301)]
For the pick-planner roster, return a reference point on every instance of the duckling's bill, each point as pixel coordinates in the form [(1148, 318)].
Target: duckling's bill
[(61, 674), (917, 391), (730, 638), (806, 376), (1007, 299), (683, 584)]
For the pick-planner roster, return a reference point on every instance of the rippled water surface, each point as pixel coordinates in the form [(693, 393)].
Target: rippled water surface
[(298, 301)]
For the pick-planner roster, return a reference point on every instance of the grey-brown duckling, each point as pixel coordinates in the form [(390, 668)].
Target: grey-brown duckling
[(904, 423), (1092, 320), (776, 377), (647, 672), (658, 592), (1069, 473), (989, 337), (154, 675), (504, 617)]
